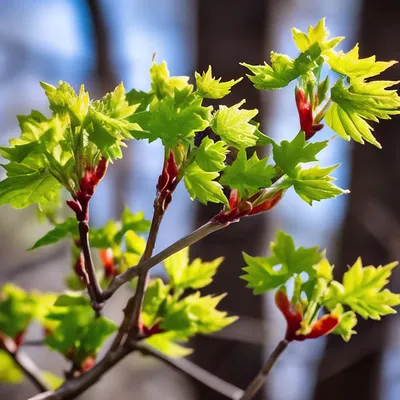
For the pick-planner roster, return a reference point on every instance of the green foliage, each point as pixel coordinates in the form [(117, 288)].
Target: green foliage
[(360, 101), (53, 381), (248, 175), (211, 88), (267, 273), (362, 291), (351, 65), (202, 185), (196, 275), (174, 119), (233, 125), (318, 34), (288, 155), (165, 343), (283, 69), (17, 309), (179, 318), (9, 372), (72, 149), (68, 228), (78, 334), (210, 156), (315, 184)]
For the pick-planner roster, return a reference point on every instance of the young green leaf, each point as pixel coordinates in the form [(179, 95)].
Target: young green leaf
[(165, 343), (283, 69), (267, 273), (9, 372), (68, 228), (78, 334), (105, 237), (162, 84), (347, 321), (357, 103), (211, 88), (23, 190), (16, 310), (315, 184), (142, 99), (288, 155), (110, 125), (132, 222), (196, 275), (134, 243), (232, 125), (53, 381), (363, 291), (204, 314), (318, 34), (173, 119), (154, 297), (211, 155), (64, 99), (201, 184), (351, 65), (248, 175)]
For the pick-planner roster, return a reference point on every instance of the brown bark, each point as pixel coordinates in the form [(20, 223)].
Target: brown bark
[(352, 370), (230, 32)]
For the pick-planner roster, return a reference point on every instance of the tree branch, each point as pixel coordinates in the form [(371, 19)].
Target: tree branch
[(134, 305), (27, 366), (258, 381), (94, 289), (195, 372), (74, 387), (180, 244)]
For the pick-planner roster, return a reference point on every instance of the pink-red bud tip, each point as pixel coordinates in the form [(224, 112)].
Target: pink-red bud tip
[(294, 317), (306, 115)]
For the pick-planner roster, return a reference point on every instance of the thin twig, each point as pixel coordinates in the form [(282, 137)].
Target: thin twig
[(130, 322), (258, 381), (142, 280), (195, 372), (94, 289), (180, 244), (33, 343), (27, 366)]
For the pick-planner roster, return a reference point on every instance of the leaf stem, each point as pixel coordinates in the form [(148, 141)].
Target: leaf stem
[(94, 289), (180, 244), (259, 380), (27, 366)]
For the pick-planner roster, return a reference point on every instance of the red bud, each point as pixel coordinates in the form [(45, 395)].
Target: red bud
[(306, 114), (107, 259)]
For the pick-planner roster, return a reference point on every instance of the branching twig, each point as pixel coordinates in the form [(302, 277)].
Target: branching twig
[(258, 381), (74, 387), (180, 244), (27, 366), (94, 289), (195, 372)]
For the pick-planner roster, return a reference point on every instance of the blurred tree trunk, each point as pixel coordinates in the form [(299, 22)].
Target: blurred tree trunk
[(230, 32), (106, 79), (352, 370)]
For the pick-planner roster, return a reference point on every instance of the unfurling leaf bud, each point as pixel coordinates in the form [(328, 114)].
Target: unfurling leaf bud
[(293, 314), (306, 114)]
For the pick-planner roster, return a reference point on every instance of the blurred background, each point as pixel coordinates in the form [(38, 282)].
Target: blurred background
[(101, 42)]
